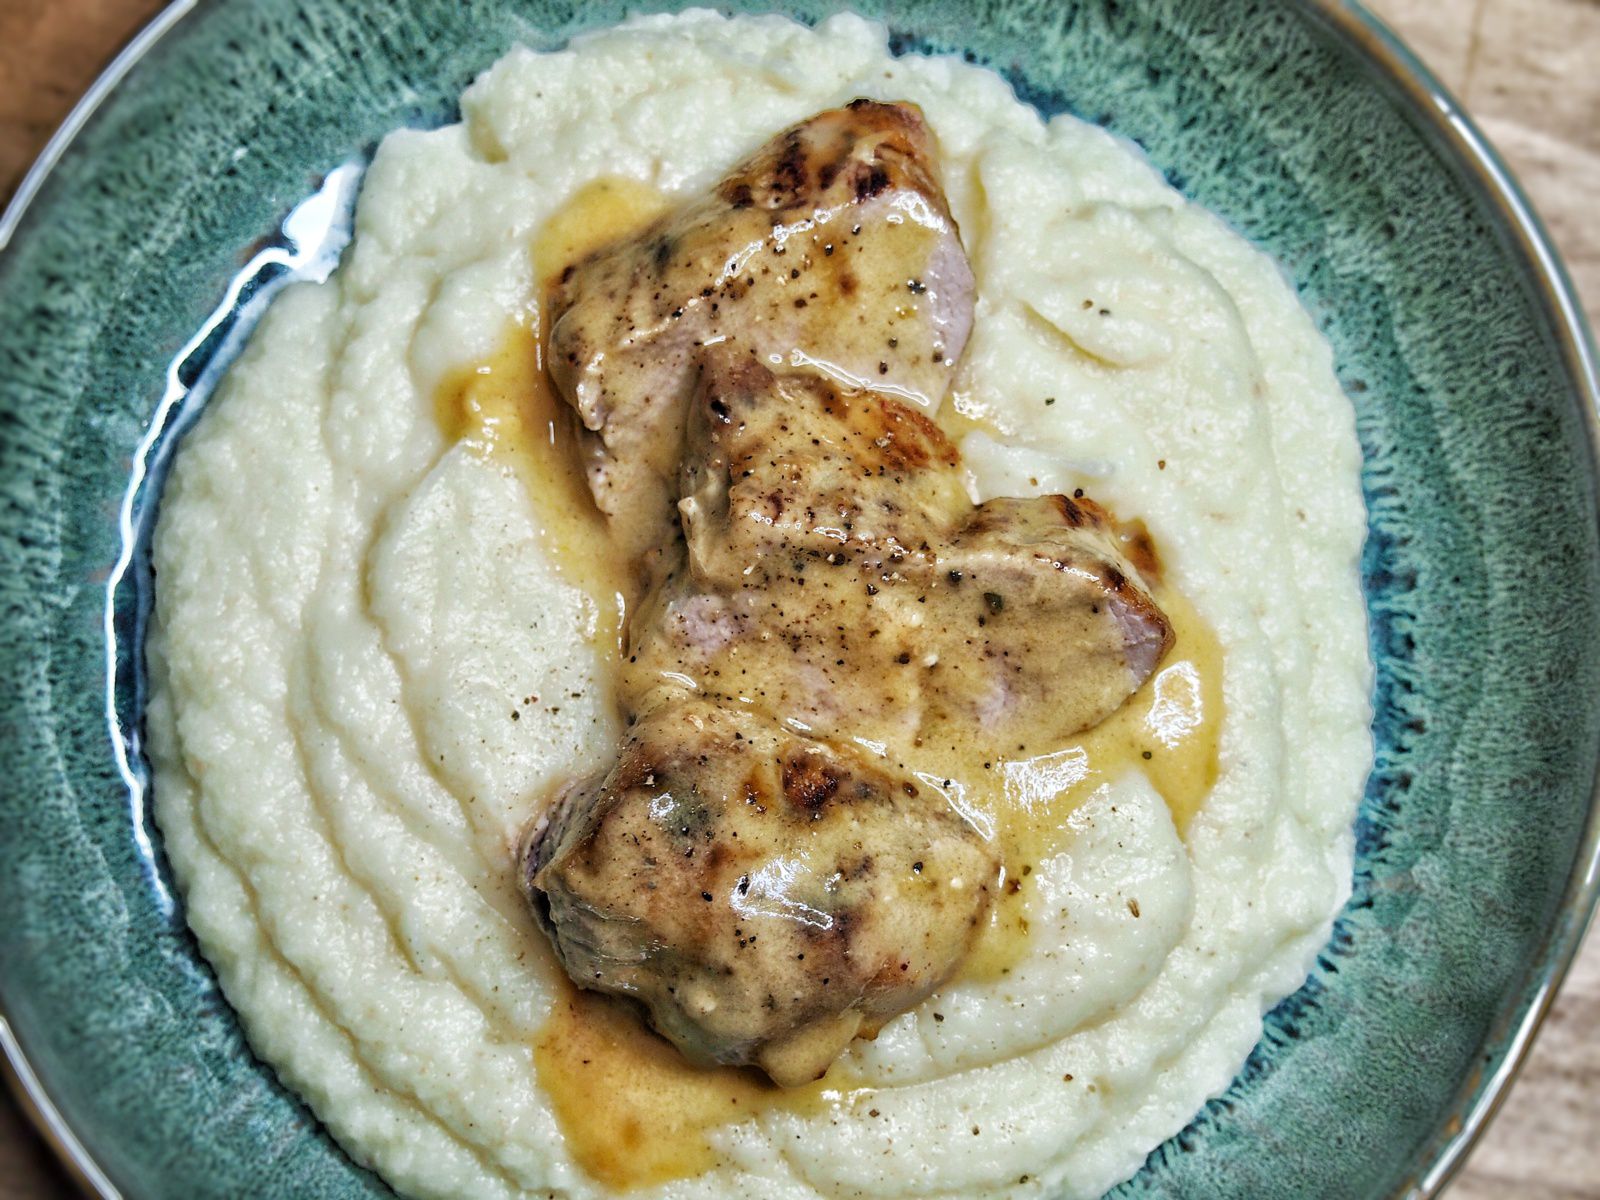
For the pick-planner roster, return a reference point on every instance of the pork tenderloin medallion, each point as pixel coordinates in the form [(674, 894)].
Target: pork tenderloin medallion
[(832, 246), (765, 896)]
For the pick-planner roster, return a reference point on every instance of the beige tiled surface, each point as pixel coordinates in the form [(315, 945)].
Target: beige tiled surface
[(1529, 70)]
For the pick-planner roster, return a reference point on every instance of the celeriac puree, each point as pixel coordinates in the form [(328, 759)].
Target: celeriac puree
[(385, 622)]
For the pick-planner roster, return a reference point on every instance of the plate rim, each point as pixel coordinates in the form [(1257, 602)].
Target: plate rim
[(1480, 1099), (67, 132), (1458, 136)]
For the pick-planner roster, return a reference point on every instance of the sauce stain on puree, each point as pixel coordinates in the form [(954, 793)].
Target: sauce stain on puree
[(633, 1111), (1169, 729), (506, 410)]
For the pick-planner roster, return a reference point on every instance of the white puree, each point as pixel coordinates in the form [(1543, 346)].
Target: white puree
[(349, 608)]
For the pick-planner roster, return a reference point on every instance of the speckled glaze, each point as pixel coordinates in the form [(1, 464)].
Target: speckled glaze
[(1481, 568)]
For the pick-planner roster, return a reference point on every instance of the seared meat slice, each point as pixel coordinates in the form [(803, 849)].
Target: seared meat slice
[(764, 895), (830, 248), (1067, 629), (838, 577)]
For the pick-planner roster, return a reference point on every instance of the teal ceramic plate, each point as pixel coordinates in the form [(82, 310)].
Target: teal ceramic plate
[(1303, 123)]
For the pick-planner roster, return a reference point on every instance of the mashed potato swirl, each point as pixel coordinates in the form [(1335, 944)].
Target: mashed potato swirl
[(367, 664)]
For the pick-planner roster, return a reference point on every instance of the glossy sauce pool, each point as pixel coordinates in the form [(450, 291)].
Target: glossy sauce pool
[(633, 1111)]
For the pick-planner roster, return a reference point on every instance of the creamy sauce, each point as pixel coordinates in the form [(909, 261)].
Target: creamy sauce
[(599, 213), (659, 1111), (506, 409)]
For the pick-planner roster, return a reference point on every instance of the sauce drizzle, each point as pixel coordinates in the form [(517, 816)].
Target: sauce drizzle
[(506, 410), (635, 1112)]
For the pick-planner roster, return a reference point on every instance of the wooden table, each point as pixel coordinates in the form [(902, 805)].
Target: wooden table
[(1525, 68)]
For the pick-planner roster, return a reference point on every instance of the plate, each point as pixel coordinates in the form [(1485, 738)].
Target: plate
[(156, 226)]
